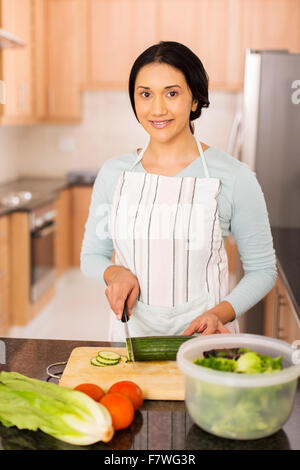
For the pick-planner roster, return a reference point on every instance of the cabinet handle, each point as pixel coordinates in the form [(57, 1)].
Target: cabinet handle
[(282, 301)]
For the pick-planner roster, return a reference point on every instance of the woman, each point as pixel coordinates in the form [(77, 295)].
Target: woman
[(169, 208)]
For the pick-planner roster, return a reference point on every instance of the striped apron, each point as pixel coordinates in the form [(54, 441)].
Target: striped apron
[(166, 230)]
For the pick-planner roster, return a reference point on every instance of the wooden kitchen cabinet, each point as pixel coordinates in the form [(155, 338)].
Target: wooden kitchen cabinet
[(16, 64), (117, 32), (21, 307), (63, 233), (80, 203), (212, 30), (218, 31), (23, 69), (39, 60), (74, 45), (63, 60), (4, 275), (271, 24), (281, 320)]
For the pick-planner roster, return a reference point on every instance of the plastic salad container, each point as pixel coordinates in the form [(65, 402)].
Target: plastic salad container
[(239, 406)]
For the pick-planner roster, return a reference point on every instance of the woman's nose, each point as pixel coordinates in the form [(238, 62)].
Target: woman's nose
[(158, 107)]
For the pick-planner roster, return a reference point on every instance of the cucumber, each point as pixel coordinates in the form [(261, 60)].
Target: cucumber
[(108, 357), (96, 363), (155, 348)]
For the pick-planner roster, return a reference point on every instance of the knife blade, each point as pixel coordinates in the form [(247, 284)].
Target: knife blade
[(124, 319)]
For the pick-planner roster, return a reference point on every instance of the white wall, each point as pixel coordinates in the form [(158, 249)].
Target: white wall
[(108, 128)]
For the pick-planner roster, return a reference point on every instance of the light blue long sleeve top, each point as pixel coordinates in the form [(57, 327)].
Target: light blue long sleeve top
[(242, 211)]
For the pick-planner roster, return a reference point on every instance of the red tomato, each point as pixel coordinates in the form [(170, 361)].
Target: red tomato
[(120, 408), (131, 390), (92, 390)]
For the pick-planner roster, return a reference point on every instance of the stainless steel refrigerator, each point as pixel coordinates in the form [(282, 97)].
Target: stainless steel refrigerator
[(266, 136)]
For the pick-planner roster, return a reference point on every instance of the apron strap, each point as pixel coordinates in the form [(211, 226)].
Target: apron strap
[(140, 156), (202, 157)]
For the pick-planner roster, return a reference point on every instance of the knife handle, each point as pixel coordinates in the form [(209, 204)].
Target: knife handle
[(125, 316)]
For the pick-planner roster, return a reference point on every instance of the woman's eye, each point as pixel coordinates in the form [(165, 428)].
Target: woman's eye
[(146, 94)]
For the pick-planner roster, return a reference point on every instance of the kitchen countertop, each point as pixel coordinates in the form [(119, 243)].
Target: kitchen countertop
[(44, 190), (158, 425)]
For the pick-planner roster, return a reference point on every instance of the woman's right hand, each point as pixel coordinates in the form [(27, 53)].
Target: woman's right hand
[(121, 285)]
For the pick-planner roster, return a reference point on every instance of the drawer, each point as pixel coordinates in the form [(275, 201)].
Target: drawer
[(4, 311), (4, 230), (4, 266)]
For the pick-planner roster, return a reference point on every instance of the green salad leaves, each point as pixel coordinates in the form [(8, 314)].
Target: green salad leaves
[(68, 415), (234, 409), (239, 360)]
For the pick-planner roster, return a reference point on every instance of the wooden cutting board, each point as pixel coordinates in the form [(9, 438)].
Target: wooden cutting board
[(159, 380)]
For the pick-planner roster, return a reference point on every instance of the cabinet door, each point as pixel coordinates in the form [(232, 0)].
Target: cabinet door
[(271, 312), (4, 266), (4, 274), (39, 59), (81, 200), (63, 232), (271, 24), (62, 64), (118, 31), (16, 63), (211, 29), (4, 311), (4, 252)]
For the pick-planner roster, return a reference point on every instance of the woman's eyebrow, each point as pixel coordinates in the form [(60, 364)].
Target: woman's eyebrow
[(166, 87)]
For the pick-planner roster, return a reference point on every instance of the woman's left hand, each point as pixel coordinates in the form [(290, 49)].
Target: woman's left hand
[(206, 324)]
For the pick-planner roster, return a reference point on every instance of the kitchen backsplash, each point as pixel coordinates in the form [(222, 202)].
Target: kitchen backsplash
[(11, 151), (108, 128)]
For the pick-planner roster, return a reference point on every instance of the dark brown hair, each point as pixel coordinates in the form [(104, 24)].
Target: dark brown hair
[(183, 59)]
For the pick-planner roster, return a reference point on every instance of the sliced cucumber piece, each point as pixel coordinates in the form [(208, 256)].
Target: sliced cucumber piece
[(124, 359), (107, 363), (109, 356), (96, 363)]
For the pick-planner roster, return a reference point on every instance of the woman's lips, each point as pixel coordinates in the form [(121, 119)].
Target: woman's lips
[(161, 124)]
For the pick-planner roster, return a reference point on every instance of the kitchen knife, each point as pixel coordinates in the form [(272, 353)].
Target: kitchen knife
[(124, 319)]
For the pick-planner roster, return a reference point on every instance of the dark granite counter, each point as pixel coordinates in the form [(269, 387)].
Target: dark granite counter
[(44, 190), (158, 425)]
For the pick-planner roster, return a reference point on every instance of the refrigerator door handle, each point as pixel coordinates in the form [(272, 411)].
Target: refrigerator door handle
[(234, 144)]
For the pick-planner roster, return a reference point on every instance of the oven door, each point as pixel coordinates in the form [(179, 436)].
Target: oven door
[(42, 260)]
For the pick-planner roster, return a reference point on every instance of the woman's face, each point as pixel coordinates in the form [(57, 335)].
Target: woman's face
[(163, 101)]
